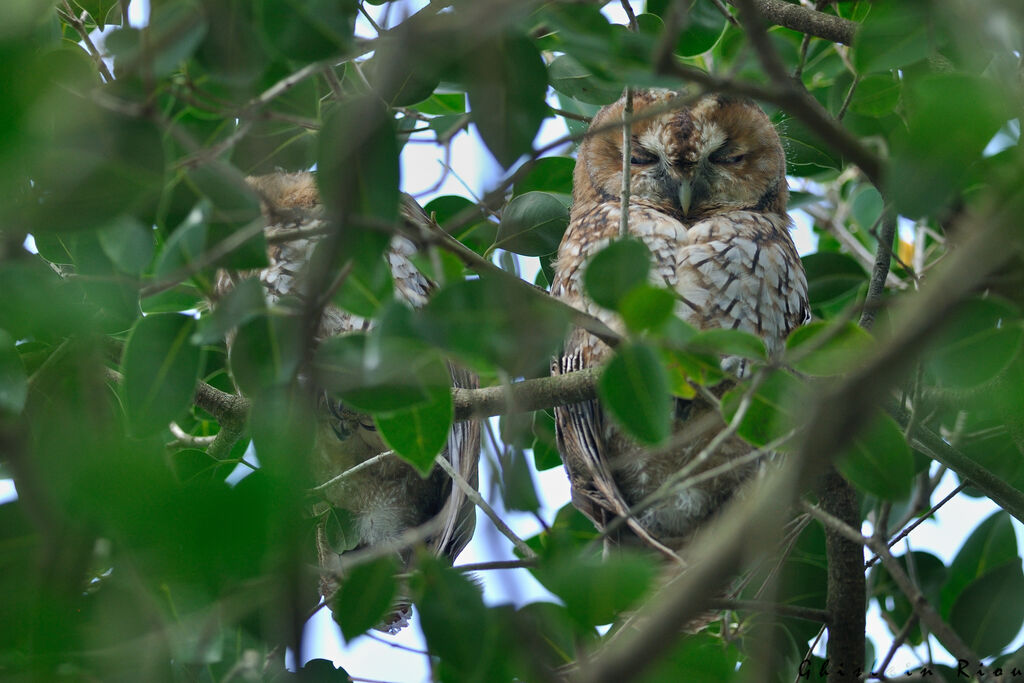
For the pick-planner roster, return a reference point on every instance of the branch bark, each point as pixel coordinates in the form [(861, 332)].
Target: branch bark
[(806, 20)]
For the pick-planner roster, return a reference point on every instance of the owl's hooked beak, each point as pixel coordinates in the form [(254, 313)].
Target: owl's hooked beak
[(692, 192)]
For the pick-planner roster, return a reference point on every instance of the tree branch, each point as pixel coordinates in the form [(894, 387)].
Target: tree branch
[(527, 395), (918, 602), (805, 20), (880, 272)]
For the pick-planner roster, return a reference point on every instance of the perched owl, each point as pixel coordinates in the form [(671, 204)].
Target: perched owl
[(708, 198), (389, 497)]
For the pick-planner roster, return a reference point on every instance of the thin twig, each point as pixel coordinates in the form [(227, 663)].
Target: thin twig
[(369, 462), (478, 500), (498, 564), (919, 521), (626, 159), (77, 23), (880, 272)]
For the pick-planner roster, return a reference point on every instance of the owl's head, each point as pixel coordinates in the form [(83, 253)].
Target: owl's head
[(717, 154)]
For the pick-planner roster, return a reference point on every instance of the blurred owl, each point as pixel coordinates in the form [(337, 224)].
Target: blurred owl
[(388, 497), (708, 198)]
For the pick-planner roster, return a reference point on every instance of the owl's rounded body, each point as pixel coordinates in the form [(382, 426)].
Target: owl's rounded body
[(708, 200)]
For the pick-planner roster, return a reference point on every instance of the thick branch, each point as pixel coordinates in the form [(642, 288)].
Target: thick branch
[(526, 396), (806, 20)]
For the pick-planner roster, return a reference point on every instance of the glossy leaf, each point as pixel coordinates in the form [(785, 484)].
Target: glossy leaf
[(646, 307), (989, 625), (547, 174), (160, 368), (634, 389), (532, 224), (570, 77), (991, 545), (595, 591)]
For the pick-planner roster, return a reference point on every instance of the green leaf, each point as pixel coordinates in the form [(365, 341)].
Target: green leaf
[(365, 596), (646, 307), (894, 34), (698, 658), (806, 153), (323, 670), (381, 374), (980, 339), (191, 464), (99, 10), (174, 32), (160, 369), (507, 85), (517, 489), (341, 530), (478, 234), (991, 545), (728, 342), (989, 613), (822, 349), (266, 351), (186, 244), (242, 303), (703, 25), (358, 161), (451, 606), (615, 270), (544, 446), (832, 281), (418, 433), (571, 78), (128, 243), (13, 380), (951, 119), (595, 591), (309, 30), (634, 388), (442, 103), (532, 224), (548, 174), (774, 410), (487, 322), (879, 461), (876, 95)]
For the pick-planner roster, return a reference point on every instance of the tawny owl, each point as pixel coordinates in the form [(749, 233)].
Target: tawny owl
[(708, 186), (388, 497)]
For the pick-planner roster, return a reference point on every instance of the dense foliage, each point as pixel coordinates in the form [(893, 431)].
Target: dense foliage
[(126, 554)]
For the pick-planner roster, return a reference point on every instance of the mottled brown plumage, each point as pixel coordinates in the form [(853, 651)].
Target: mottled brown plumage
[(708, 198), (388, 497)]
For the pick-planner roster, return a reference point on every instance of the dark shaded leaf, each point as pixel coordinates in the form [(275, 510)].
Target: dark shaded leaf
[(895, 34), (128, 243), (989, 612), (13, 380), (309, 31), (879, 461), (341, 530), (548, 174), (245, 301), (571, 78), (595, 591), (507, 84), (991, 545), (160, 369), (358, 161), (365, 596), (532, 224), (266, 351), (418, 433), (980, 339)]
